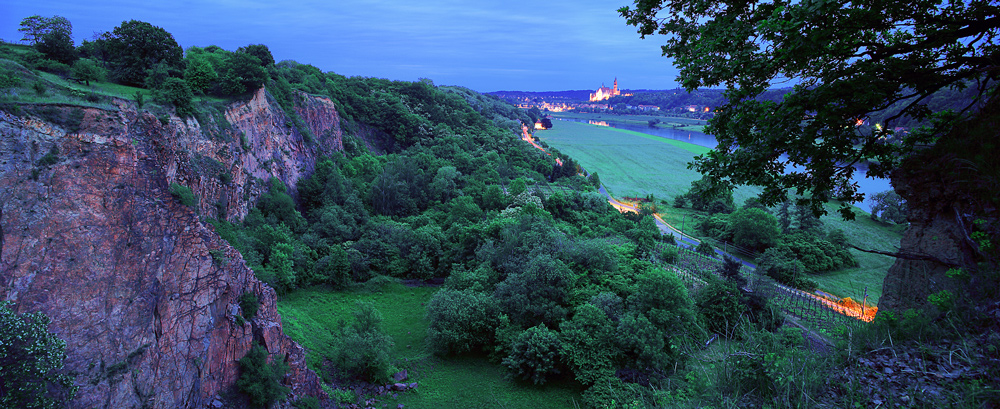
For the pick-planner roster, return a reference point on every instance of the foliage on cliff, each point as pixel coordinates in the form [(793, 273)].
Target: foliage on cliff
[(31, 362)]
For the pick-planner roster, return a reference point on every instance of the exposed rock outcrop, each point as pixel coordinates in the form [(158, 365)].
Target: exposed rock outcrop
[(933, 234), (949, 189), (145, 294)]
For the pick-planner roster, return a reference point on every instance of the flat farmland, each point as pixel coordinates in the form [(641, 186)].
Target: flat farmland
[(631, 163)]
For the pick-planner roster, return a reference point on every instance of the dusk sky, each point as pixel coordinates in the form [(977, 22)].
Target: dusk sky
[(484, 45)]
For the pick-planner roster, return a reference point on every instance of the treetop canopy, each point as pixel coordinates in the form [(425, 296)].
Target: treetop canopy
[(850, 59)]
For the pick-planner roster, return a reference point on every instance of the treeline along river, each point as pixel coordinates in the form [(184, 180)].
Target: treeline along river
[(866, 185)]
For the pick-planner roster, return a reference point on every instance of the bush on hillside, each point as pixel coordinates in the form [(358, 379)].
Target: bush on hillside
[(536, 355), (362, 347), (176, 92), (249, 304), (184, 195), (460, 321), (260, 380)]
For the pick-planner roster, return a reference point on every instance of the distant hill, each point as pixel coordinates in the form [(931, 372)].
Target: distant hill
[(572, 95)]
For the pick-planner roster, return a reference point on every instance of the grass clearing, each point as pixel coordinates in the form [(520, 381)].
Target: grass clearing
[(104, 88), (470, 382), (311, 315), (60, 90)]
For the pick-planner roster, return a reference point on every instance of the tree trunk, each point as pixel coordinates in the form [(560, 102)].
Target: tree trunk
[(948, 188)]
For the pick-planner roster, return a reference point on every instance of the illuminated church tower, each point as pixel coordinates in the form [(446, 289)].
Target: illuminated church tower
[(603, 93)]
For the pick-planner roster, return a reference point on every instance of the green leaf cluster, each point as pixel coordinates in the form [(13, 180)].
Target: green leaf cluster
[(31, 362), (260, 379), (362, 347)]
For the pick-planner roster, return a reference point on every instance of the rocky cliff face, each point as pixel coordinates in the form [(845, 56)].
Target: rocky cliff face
[(145, 294)]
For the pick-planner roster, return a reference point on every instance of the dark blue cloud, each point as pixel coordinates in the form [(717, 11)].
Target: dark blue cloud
[(486, 46)]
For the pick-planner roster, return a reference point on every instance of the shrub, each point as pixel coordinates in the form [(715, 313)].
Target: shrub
[(249, 305), (343, 396), (184, 195), (721, 306), (669, 253), (780, 264), (535, 355), (537, 295), (307, 402), (460, 321), (260, 380), (589, 343), (611, 392), (770, 370), (705, 248), (670, 239), (74, 119), (50, 158), (31, 362), (334, 268), (643, 346), (54, 67), (717, 227), (178, 93), (362, 348), (664, 300), (88, 70), (610, 304), (39, 87), (680, 201), (754, 228), (9, 79)]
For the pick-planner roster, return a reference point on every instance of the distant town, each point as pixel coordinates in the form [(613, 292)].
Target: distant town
[(678, 102)]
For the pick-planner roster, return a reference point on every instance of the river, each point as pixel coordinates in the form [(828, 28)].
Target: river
[(866, 185)]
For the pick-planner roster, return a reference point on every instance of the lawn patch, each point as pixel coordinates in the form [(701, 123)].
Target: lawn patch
[(311, 316)]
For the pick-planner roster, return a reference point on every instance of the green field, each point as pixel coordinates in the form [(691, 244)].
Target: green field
[(311, 315), (631, 163), (635, 164), (868, 234)]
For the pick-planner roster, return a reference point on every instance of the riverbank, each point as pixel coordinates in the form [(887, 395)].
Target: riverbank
[(665, 122)]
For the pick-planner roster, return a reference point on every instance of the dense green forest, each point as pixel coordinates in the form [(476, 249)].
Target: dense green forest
[(553, 285)]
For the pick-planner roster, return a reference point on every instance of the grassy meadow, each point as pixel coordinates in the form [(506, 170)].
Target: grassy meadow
[(311, 315), (632, 163), (59, 89)]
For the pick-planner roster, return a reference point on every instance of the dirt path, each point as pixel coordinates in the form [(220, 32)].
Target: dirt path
[(815, 341)]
